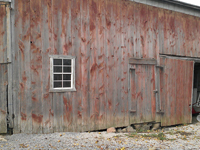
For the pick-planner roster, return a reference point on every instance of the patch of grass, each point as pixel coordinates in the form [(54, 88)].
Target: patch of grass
[(183, 133), (197, 137), (132, 135), (170, 133), (144, 131), (150, 135), (179, 132), (184, 138), (117, 136), (141, 131), (171, 139), (159, 136)]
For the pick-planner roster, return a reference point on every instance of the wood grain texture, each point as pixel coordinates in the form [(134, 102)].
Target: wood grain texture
[(36, 65), (25, 76), (16, 66), (3, 70), (3, 98), (47, 48), (178, 80), (105, 36), (3, 35)]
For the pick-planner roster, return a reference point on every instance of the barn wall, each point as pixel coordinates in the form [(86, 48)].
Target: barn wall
[(102, 34), (3, 70), (177, 80), (3, 37)]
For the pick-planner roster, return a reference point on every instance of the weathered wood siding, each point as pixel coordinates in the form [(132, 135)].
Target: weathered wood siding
[(102, 34), (3, 70), (3, 37), (176, 92), (142, 96), (180, 34)]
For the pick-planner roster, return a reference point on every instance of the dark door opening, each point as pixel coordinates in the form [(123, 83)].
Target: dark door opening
[(196, 90)]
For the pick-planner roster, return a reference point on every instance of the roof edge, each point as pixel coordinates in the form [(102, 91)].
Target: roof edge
[(5, 1), (182, 4)]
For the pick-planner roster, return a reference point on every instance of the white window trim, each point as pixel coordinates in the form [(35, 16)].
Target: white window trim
[(51, 73)]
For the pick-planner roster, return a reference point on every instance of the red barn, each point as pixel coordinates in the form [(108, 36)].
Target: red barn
[(83, 65)]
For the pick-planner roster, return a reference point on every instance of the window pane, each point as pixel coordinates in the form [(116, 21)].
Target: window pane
[(67, 77), (66, 69), (57, 69), (57, 76), (57, 84), (57, 62), (66, 61), (66, 84)]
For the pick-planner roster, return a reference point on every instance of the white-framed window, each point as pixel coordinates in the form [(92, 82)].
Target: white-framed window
[(62, 73)]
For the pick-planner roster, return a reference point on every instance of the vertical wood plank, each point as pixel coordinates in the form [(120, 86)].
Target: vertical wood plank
[(173, 86), (67, 50), (143, 15), (16, 68), (137, 38), (76, 49), (152, 82), (118, 60), (133, 102), (110, 45), (3, 98), (161, 30), (101, 48), (94, 105), (125, 55), (189, 84), (3, 71), (36, 66), (58, 50), (25, 76), (3, 37), (139, 76), (47, 47)]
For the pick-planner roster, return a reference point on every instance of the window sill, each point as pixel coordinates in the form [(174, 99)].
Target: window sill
[(62, 90)]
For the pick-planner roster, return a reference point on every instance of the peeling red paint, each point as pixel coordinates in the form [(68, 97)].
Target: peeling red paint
[(3, 111), (46, 96), (24, 77), (22, 86), (93, 68), (51, 112), (68, 108), (37, 118), (67, 48), (23, 116), (102, 35), (34, 99)]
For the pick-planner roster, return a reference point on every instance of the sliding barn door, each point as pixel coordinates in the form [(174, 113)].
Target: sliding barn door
[(176, 80), (3, 70), (142, 100)]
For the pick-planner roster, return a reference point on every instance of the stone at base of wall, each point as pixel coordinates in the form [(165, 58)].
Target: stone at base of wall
[(156, 126), (142, 127), (111, 130), (128, 129)]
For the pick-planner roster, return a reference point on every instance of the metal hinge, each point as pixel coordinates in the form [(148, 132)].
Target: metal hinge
[(5, 63), (155, 91)]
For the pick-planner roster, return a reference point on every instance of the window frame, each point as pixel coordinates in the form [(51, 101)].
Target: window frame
[(52, 89)]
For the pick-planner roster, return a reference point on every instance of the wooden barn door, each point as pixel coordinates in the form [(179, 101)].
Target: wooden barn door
[(176, 81), (142, 91), (3, 70)]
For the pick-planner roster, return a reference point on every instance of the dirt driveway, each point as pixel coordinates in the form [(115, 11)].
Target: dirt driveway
[(180, 137)]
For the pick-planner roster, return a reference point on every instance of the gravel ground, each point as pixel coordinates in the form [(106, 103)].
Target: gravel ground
[(180, 137)]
